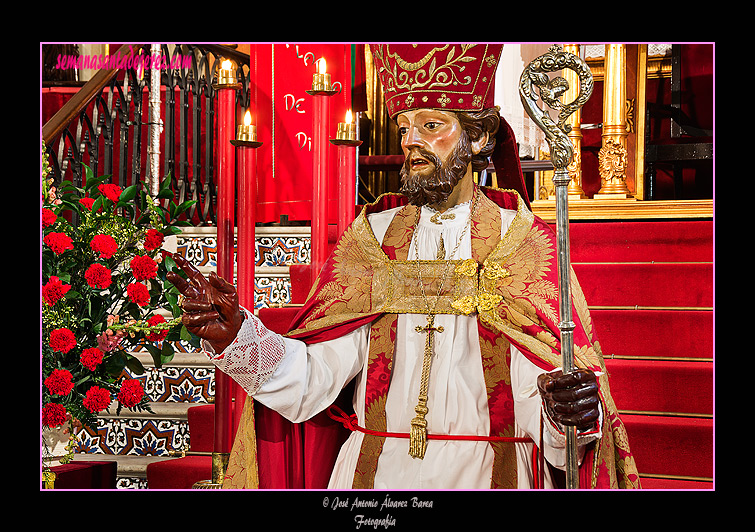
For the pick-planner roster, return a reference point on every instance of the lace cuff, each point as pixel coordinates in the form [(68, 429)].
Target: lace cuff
[(252, 357)]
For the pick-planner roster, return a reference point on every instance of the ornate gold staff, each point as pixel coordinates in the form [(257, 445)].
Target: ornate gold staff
[(556, 134)]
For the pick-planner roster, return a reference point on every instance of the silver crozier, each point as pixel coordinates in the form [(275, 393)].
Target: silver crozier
[(556, 134)]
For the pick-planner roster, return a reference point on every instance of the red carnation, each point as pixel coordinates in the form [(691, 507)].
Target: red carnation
[(54, 290), (91, 358), (159, 335), (87, 202), (58, 242), (143, 267), (98, 276), (153, 239), (62, 340), (105, 245), (59, 382), (53, 415), (97, 399), (138, 294), (111, 192), (48, 218), (131, 393)]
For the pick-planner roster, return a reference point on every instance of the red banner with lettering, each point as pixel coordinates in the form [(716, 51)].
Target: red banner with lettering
[(280, 75)]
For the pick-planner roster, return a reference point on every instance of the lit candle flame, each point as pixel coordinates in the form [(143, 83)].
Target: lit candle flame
[(348, 116), (248, 118), (226, 64), (321, 66)]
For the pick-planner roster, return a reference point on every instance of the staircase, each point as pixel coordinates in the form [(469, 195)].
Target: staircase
[(649, 286)]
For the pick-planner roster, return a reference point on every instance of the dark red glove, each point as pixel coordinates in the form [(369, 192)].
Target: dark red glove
[(211, 306), (570, 399)]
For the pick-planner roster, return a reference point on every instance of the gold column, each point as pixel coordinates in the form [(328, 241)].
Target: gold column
[(612, 158), (574, 189)]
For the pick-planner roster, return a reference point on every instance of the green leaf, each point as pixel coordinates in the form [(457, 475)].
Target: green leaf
[(83, 380), (88, 172), (92, 182), (155, 352), (97, 205), (165, 186), (170, 264), (191, 339), (167, 353), (135, 365), (115, 363), (180, 209), (165, 193), (129, 193)]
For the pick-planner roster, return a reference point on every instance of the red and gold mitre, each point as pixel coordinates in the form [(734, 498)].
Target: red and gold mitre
[(452, 77)]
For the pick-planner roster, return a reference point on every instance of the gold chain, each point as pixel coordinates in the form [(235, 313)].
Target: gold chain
[(418, 431)]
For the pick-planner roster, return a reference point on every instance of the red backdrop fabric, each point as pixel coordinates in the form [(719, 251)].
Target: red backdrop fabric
[(281, 74)]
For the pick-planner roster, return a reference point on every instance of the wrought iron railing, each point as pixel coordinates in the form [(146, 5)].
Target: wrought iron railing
[(105, 125)]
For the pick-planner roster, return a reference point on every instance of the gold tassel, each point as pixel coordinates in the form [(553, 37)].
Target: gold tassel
[(441, 254), (418, 431)]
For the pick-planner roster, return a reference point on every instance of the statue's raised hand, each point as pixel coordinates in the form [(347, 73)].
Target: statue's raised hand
[(211, 305)]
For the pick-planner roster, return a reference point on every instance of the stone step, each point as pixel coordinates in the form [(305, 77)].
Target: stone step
[(188, 378), (136, 439)]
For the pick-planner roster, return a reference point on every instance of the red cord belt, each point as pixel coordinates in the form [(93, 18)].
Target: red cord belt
[(351, 423)]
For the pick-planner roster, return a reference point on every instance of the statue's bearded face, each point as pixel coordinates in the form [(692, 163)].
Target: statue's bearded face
[(437, 152)]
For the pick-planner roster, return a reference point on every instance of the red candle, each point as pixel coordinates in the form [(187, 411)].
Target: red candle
[(246, 144), (247, 190), (347, 153), (321, 91), (346, 185), (224, 386)]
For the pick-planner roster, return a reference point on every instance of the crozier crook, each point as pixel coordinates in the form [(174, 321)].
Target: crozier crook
[(556, 134)]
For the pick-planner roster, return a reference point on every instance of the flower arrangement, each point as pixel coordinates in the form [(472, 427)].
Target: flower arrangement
[(104, 295)]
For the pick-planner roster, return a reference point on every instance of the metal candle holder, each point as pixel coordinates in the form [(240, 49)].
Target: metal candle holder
[(321, 84)]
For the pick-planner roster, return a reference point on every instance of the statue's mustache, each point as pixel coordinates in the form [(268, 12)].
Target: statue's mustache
[(434, 187)]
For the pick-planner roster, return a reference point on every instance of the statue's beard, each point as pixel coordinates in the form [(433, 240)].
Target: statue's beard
[(435, 187)]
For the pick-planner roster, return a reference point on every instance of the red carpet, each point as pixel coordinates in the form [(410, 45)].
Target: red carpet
[(647, 332), (650, 287), (671, 446), (666, 241), (647, 285), (665, 385)]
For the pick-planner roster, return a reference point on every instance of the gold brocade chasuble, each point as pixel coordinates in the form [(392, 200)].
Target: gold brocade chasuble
[(510, 284)]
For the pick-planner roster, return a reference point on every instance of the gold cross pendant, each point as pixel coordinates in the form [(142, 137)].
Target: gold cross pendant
[(418, 432), (430, 327)]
